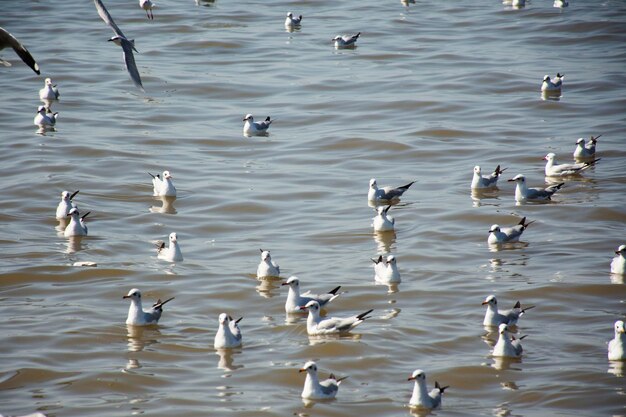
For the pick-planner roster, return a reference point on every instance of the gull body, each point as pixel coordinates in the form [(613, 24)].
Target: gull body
[(386, 271), (495, 317), (553, 169), (43, 119), (618, 264), (172, 253), (49, 91), (252, 128), (383, 222), (316, 325), (77, 225), (376, 194), (293, 21), (421, 398), (507, 347), (346, 41), (499, 234), (127, 45), (8, 40), (486, 181), (549, 86), (163, 186), (267, 267), (524, 193), (586, 150), (314, 389), (66, 204), (147, 5), (228, 333), (137, 316), (295, 300), (617, 346)]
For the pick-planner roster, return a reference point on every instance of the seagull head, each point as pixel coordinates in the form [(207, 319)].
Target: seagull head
[(494, 228), (224, 319), (619, 327), (133, 294), (546, 78), (73, 211), (293, 282), (503, 329), (289, 14), (491, 300), (310, 367), (550, 157), (391, 259), (580, 141), (248, 117), (116, 40), (519, 178), (336, 38), (265, 255), (417, 375), (41, 109), (173, 237), (65, 196), (373, 184), (621, 250), (312, 306), (48, 81), (167, 175), (477, 169)]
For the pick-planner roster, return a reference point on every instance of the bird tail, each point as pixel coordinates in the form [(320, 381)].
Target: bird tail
[(498, 171), (440, 388), (406, 187), (364, 316), (160, 304), (334, 290)]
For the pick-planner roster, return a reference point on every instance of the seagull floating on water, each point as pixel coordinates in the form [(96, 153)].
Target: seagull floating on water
[(421, 397), (147, 5), (49, 91), (316, 325), (549, 86), (295, 300), (553, 169), (44, 119), (172, 253), (346, 41), (6, 39), (163, 187), (480, 181), (523, 193), (77, 225), (128, 45), (382, 222), (228, 334), (293, 21), (499, 234), (316, 390), (66, 204), (376, 194), (586, 150), (252, 128), (137, 316), (618, 264), (386, 271), (507, 346), (617, 346), (495, 317), (267, 267)]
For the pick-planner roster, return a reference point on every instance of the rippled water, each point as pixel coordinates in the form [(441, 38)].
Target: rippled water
[(432, 89)]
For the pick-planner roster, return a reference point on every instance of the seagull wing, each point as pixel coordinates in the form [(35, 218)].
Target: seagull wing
[(6, 39), (104, 14), (129, 60)]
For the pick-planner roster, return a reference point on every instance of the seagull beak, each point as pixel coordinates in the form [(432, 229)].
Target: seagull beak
[(301, 370), (510, 180), (411, 378), (484, 303), (286, 283), (125, 296), (302, 308)]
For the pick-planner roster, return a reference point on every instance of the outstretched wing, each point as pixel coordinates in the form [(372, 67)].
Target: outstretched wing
[(104, 14)]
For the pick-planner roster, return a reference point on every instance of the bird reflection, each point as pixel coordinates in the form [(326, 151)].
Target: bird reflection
[(141, 336), (503, 364), (478, 195), (132, 364), (321, 339), (74, 244), (390, 314), (497, 247), (167, 206), (205, 3), (551, 95), (384, 241), (268, 286), (420, 412), (617, 368), (407, 2), (60, 228), (227, 358), (617, 279), (391, 288)]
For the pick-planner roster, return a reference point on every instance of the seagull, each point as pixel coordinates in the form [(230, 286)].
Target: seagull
[(267, 267), (376, 194), (548, 86), (147, 5), (518, 3), (553, 169), (382, 222), (228, 334), (560, 3), (77, 226), (587, 150), (387, 271), (346, 41), (293, 21), (316, 325), (316, 390), (523, 193), (421, 397), (66, 204), (252, 128), (479, 181), (137, 316), (128, 45), (617, 351), (618, 264), (493, 317), (295, 299), (172, 253), (163, 187), (49, 91), (499, 234), (506, 347), (6, 39), (43, 119)]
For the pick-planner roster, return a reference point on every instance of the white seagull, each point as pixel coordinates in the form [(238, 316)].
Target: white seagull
[(560, 3), (382, 222), (252, 128), (267, 267), (499, 234), (386, 271), (316, 325), (137, 316), (295, 300), (618, 264), (49, 91), (480, 181), (77, 225), (421, 398), (6, 39), (495, 317), (66, 204), (553, 169), (316, 390), (228, 334), (586, 150), (617, 348), (128, 45), (346, 41), (43, 119), (163, 187), (549, 86), (147, 5), (507, 347), (376, 194), (523, 193), (172, 253), (293, 21)]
